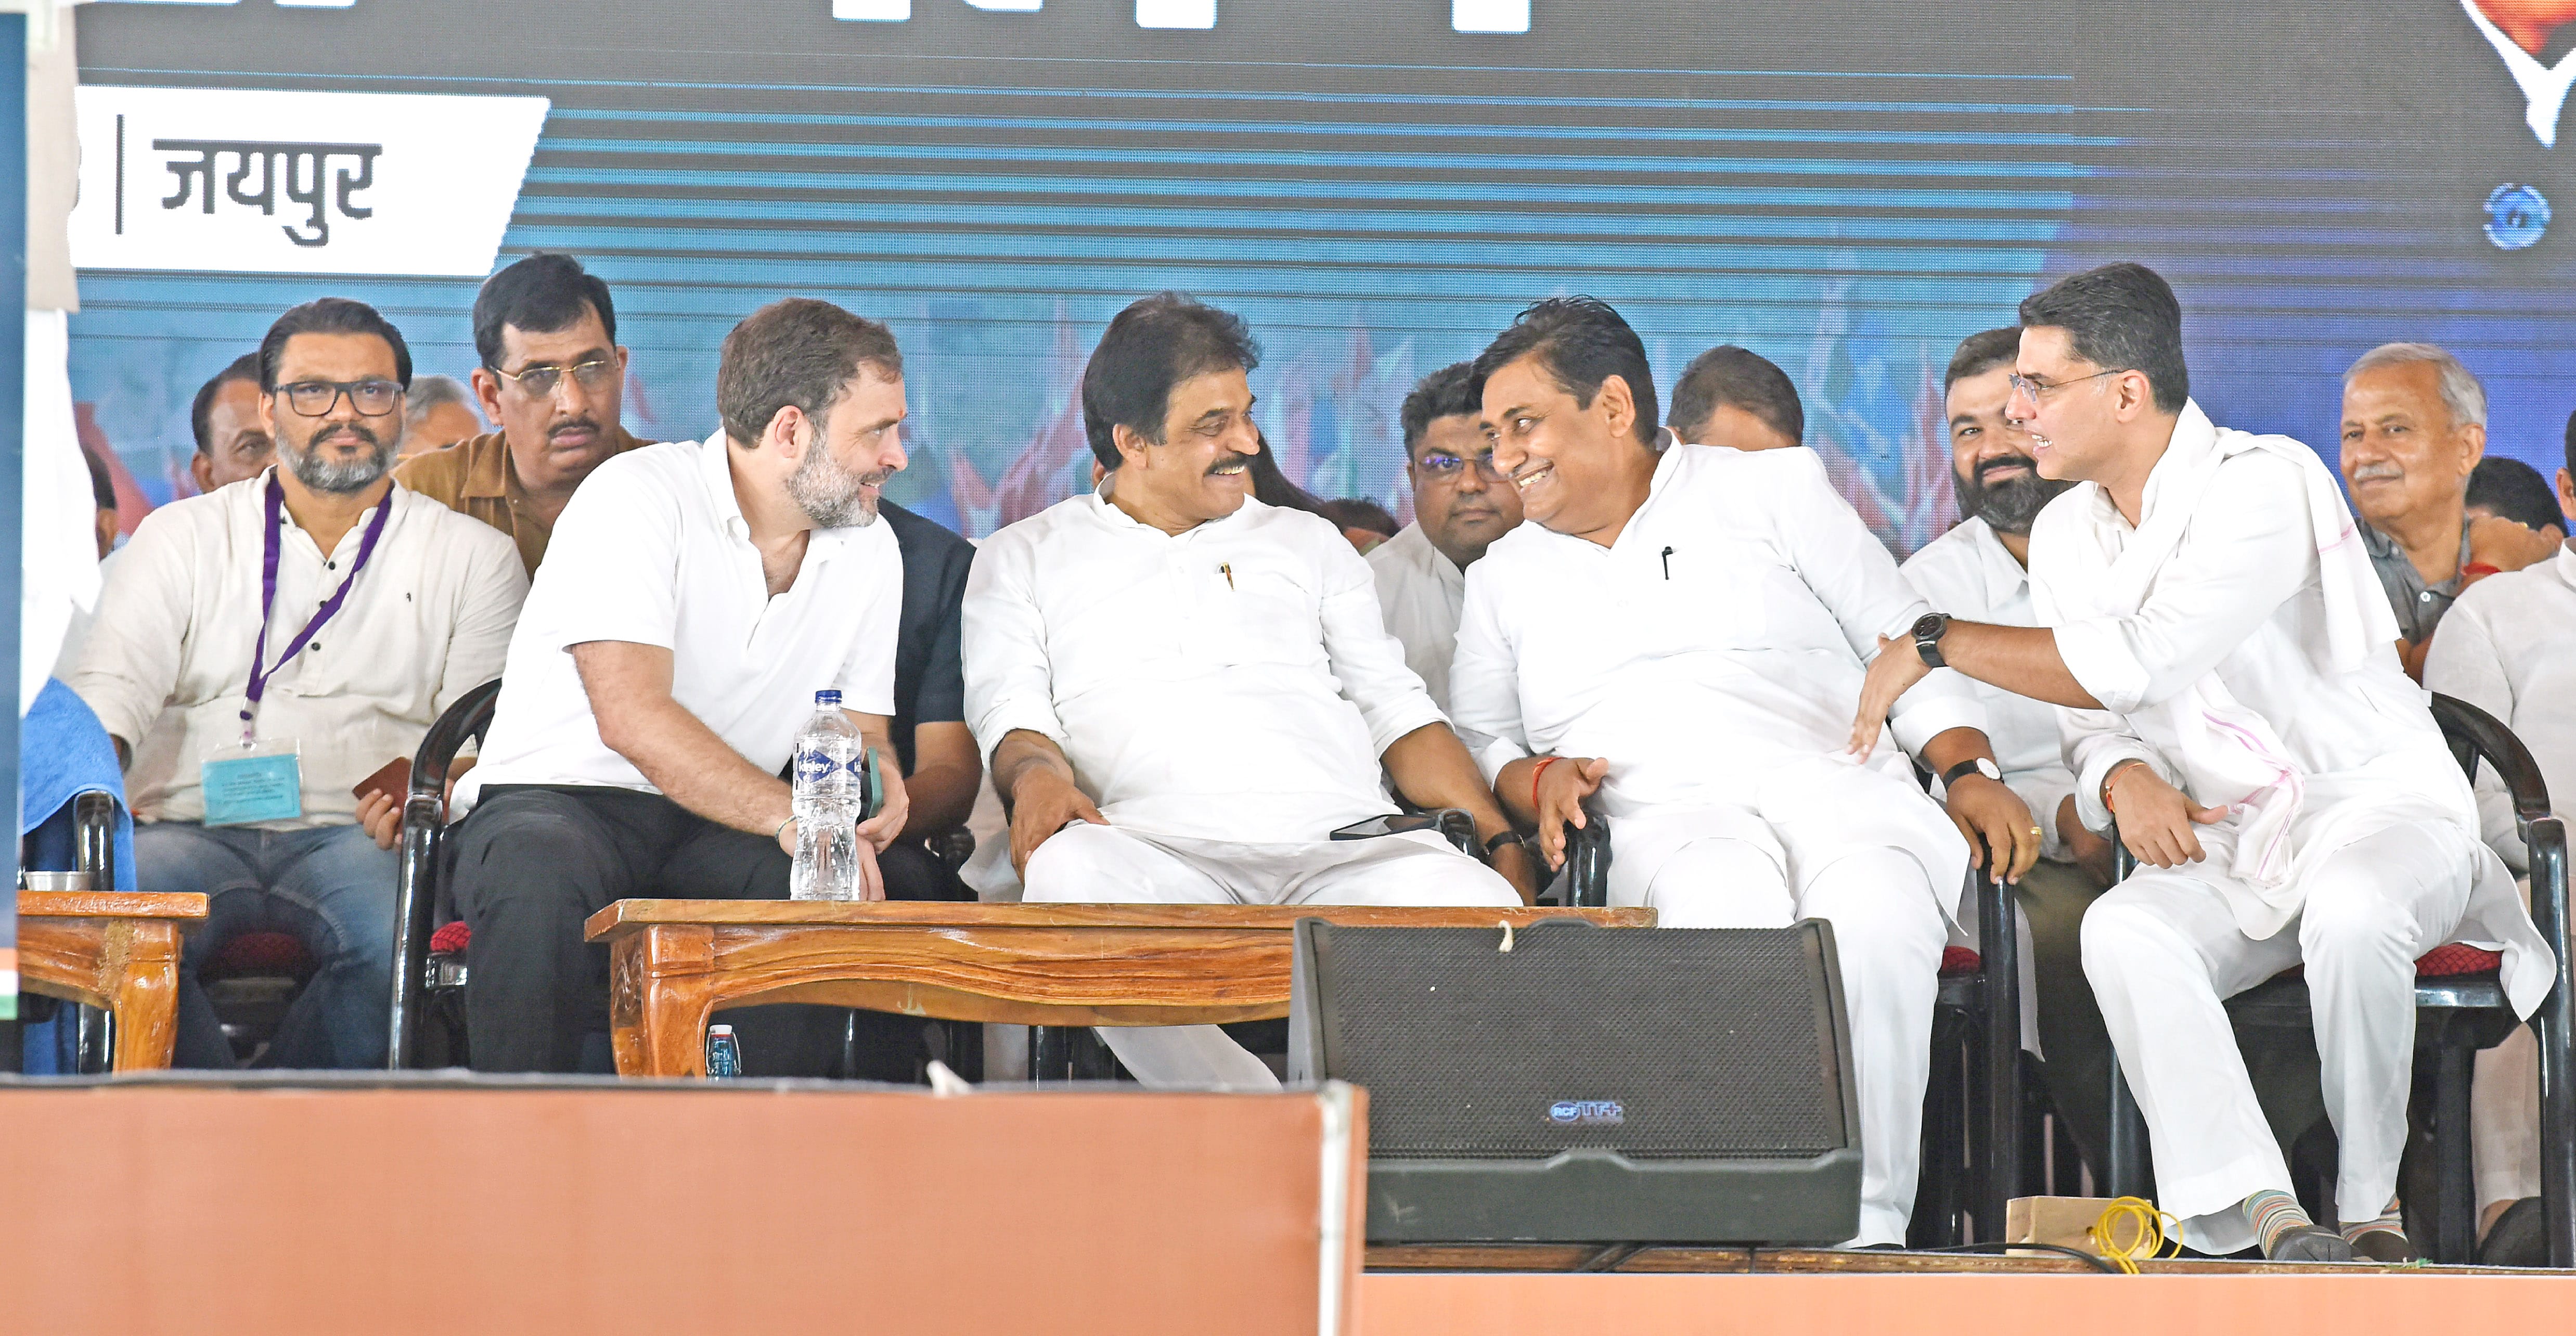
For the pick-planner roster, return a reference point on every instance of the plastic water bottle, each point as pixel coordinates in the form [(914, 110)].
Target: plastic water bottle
[(830, 798), (724, 1056)]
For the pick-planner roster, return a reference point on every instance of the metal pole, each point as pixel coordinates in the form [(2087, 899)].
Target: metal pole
[(13, 478)]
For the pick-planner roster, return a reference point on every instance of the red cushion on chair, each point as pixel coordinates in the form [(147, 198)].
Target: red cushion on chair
[(449, 940), (261, 953), (1960, 960), (2449, 962)]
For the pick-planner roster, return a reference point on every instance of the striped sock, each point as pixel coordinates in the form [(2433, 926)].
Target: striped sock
[(2392, 1220), (2273, 1214)]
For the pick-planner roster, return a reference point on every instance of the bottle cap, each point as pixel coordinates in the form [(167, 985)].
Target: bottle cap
[(827, 698), (725, 1030)]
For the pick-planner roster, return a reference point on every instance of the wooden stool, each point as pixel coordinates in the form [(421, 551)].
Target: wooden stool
[(111, 950), (675, 961)]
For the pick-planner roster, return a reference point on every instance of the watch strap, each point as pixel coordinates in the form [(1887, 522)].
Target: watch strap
[(1961, 771)]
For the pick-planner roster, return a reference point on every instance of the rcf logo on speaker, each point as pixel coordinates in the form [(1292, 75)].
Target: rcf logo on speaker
[(1581, 1112)]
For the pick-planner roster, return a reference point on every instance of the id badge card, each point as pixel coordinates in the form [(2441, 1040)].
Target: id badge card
[(250, 782)]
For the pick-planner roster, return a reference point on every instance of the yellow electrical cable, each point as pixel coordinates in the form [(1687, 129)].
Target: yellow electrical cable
[(2147, 1234)]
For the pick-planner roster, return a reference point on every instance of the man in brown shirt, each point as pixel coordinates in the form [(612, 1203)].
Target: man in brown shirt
[(553, 377)]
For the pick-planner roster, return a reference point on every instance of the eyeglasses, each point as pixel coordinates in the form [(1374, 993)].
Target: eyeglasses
[(316, 398), (2036, 390), (539, 382), (1444, 466)]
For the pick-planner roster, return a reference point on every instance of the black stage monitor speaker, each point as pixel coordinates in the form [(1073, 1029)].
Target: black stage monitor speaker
[(1586, 1084)]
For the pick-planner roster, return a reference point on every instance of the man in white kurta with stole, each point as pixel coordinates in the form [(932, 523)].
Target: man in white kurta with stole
[(1676, 637), (1184, 692), (2234, 698)]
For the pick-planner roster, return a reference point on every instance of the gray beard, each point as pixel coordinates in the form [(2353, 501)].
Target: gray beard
[(2009, 507), (337, 478), (829, 494)]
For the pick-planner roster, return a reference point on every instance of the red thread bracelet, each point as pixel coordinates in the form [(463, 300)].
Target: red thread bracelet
[(1543, 764)]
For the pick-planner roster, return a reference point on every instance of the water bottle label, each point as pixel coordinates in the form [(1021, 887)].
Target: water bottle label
[(813, 767)]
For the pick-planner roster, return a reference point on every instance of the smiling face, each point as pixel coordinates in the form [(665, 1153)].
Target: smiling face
[(1459, 498), (2403, 457), (838, 484), (1201, 469), (1990, 455), (1572, 464)]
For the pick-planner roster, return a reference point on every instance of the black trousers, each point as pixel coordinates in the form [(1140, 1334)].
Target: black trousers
[(533, 862)]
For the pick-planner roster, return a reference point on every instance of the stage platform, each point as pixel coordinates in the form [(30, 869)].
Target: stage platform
[(438, 1203)]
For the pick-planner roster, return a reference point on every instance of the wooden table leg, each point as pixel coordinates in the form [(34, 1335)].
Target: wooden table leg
[(146, 992), (661, 990)]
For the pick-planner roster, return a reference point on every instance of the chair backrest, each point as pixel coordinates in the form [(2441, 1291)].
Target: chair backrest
[(466, 720), (2475, 735)]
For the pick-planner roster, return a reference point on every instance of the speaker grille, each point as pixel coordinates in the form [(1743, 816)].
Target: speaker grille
[(1657, 1043)]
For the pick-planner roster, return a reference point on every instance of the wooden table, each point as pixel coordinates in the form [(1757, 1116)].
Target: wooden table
[(115, 951), (676, 961)]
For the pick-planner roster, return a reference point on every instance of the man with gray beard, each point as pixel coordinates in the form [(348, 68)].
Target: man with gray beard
[(304, 627), (1978, 571), (694, 599)]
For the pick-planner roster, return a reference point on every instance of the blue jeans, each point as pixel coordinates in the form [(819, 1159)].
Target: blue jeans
[(331, 888)]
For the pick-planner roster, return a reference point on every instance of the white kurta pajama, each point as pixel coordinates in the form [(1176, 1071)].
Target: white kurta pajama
[(1713, 655), (1223, 696), (2509, 648), (2241, 645)]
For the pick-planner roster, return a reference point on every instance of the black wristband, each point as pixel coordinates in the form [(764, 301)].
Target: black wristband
[(1499, 841)]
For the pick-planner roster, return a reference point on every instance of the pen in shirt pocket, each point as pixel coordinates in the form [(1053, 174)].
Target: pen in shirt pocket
[(1226, 569)]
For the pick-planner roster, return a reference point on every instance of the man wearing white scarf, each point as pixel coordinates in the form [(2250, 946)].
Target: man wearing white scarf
[(2231, 691)]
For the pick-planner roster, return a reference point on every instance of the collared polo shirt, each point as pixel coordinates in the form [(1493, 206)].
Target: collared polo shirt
[(2419, 606), (474, 477), (654, 550)]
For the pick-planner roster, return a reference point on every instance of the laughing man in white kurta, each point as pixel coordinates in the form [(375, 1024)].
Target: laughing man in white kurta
[(1698, 666), (1184, 691), (2229, 665)]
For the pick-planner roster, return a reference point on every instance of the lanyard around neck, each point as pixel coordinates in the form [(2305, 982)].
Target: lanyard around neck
[(276, 506)]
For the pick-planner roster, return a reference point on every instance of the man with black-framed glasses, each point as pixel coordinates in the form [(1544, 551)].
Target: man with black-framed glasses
[(553, 376), (1460, 506), (303, 628)]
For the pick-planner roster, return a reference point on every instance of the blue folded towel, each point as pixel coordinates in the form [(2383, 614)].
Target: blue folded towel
[(64, 752)]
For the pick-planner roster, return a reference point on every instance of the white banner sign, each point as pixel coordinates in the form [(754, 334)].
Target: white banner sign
[(240, 181)]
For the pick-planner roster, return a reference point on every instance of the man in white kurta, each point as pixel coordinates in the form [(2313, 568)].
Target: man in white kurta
[(2509, 648), (1691, 677), (1460, 506), (2234, 691), (1184, 692)]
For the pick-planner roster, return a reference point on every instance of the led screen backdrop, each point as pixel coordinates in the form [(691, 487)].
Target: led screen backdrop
[(1847, 188)]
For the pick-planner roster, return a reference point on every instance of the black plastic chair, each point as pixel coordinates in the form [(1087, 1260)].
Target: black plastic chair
[(1976, 1032), (417, 979), (2457, 1013)]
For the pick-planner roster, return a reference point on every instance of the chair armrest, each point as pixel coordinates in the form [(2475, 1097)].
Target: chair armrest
[(2475, 735), (1587, 862)]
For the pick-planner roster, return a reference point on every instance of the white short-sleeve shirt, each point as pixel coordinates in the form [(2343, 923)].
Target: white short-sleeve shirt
[(653, 550)]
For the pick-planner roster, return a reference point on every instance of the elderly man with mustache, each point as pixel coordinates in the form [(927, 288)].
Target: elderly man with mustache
[(2414, 429), (1185, 692), (1460, 506), (304, 626)]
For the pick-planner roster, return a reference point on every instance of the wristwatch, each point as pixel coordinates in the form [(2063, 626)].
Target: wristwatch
[(1928, 630), (1980, 766)]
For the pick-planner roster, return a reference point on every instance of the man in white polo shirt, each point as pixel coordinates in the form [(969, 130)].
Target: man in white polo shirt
[(694, 598), (1184, 692)]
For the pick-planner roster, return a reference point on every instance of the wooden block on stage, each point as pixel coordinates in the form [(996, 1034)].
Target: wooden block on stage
[(675, 961), (433, 1205), (115, 951)]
